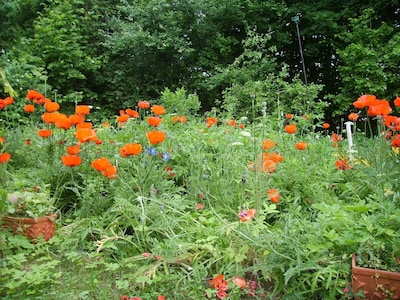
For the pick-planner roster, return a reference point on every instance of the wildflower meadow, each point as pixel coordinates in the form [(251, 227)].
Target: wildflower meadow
[(160, 201)]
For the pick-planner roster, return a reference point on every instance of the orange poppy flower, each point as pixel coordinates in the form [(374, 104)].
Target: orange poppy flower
[(336, 138), (241, 126), (154, 121), (392, 122), (211, 121), (63, 122), (380, 107), (50, 117), (130, 149), (342, 164), (132, 113), (155, 137), (273, 195), (268, 144), (301, 145), (74, 149), (353, 117), (291, 128), (396, 102), (110, 172), (274, 156), (4, 157), (44, 133), (100, 164), (247, 215), (231, 123), (35, 96), (288, 116), (51, 106), (218, 282), (76, 119), (158, 109), (326, 125), (85, 134), (29, 108), (239, 282), (363, 101), (82, 109), (71, 160), (143, 104), (122, 118), (2, 139), (84, 125)]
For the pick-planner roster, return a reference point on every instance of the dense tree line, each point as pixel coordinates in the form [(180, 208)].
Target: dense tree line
[(113, 53)]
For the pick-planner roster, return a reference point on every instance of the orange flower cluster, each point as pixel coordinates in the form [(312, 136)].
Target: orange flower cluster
[(221, 285), (104, 166), (211, 121), (5, 102), (382, 108)]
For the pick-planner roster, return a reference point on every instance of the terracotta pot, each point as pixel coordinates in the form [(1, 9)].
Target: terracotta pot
[(31, 227), (375, 284)]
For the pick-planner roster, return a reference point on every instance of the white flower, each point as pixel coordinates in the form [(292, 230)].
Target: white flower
[(245, 133), (237, 144)]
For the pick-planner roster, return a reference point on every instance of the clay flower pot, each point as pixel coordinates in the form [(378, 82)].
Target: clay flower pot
[(32, 228), (375, 284)]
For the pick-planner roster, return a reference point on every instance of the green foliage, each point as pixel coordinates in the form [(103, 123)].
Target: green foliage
[(366, 60), (180, 102)]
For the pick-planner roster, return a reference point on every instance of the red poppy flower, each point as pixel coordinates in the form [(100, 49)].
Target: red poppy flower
[(143, 104), (82, 109), (273, 195), (130, 149), (155, 137), (221, 294), (161, 297), (268, 144), (291, 128), (71, 160), (29, 108), (154, 121), (4, 157), (199, 206), (353, 117), (158, 109), (301, 145), (247, 215), (44, 133), (326, 125)]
